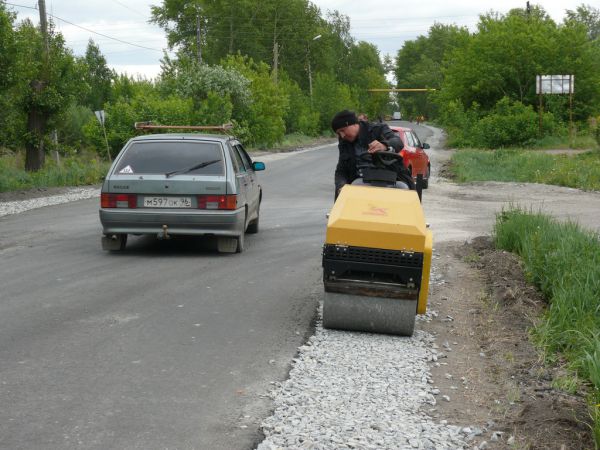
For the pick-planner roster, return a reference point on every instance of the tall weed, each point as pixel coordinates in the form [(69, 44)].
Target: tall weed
[(563, 261), (579, 171), (70, 171)]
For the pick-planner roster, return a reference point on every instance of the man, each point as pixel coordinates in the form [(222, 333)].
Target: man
[(357, 138)]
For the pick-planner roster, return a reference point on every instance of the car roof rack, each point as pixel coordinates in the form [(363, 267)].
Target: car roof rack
[(225, 128)]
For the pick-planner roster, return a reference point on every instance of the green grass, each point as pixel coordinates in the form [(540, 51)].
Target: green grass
[(71, 171), (583, 142), (563, 261), (578, 171)]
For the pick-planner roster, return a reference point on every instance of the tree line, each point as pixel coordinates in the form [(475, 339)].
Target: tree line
[(282, 66), (271, 68), (485, 81)]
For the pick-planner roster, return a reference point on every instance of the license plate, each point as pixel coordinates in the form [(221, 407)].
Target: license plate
[(167, 202)]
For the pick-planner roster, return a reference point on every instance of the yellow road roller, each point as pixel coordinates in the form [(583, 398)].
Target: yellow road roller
[(376, 261)]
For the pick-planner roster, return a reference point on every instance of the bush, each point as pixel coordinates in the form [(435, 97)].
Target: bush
[(512, 124)]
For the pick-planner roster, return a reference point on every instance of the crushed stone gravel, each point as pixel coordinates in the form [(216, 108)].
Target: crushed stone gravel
[(350, 390), (16, 207)]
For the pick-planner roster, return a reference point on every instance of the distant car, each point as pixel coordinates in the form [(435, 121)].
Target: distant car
[(413, 154), (181, 184)]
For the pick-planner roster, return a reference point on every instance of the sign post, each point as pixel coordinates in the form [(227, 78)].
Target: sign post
[(556, 84), (100, 117)]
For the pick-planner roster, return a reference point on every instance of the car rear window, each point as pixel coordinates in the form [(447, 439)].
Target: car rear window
[(162, 157)]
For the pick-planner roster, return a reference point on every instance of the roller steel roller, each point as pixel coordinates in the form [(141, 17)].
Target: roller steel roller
[(376, 261)]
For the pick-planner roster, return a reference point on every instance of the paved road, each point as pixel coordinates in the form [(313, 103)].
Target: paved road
[(167, 345)]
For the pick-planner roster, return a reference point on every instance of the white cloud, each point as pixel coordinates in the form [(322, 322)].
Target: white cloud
[(385, 23)]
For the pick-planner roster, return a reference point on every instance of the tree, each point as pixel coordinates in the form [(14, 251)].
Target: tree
[(419, 64), (588, 16), (329, 97), (272, 31), (503, 58), (97, 76), (45, 87), (8, 74), (268, 106)]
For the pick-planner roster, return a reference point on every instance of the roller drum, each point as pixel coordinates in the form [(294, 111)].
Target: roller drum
[(369, 314)]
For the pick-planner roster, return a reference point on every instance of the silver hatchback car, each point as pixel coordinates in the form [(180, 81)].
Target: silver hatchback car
[(181, 184)]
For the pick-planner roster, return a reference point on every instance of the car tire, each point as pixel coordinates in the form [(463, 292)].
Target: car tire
[(253, 226), (228, 244), (426, 179), (240, 243), (114, 242)]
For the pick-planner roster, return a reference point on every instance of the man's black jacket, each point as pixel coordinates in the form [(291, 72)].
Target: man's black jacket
[(345, 171)]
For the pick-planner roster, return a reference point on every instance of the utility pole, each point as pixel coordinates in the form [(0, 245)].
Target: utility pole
[(198, 38), (44, 27), (275, 61)]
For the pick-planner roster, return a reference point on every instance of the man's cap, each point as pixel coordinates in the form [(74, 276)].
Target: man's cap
[(343, 119)]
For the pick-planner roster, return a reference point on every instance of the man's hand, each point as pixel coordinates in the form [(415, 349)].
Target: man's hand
[(377, 146)]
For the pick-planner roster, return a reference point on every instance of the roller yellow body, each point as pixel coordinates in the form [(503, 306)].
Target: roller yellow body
[(381, 232)]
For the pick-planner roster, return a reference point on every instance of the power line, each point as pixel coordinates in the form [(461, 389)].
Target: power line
[(130, 9), (87, 29)]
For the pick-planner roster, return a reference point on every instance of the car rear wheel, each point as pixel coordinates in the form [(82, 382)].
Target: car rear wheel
[(226, 244), (426, 178), (114, 242), (253, 226)]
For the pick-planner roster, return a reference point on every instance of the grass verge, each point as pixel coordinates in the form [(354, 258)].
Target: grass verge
[(563, 261), (70, 171), (578, 171)]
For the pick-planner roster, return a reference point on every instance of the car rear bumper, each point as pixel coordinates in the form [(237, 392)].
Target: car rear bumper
[(189, 222)]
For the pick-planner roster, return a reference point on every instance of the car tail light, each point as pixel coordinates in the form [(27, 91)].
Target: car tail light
[(118, 200), (217, 201)]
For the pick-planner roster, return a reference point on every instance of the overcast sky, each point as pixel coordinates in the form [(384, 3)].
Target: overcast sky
[(385, 23)]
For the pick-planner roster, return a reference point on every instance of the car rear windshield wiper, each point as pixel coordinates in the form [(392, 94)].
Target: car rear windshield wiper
[(197, 166)]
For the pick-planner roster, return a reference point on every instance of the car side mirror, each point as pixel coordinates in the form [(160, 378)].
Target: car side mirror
[(258, 165), (426, 146)]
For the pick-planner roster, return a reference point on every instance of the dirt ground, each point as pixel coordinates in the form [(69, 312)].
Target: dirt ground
[(494, 379)]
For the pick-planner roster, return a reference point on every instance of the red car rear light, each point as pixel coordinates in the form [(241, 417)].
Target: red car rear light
[(217, 201), (118, 201)]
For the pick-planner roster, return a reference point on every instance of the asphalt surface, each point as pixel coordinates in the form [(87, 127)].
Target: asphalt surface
[(168, 344)]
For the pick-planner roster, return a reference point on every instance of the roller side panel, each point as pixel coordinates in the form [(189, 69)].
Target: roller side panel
[(424, 292)]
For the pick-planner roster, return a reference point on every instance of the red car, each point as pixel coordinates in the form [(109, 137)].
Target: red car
[(413, 154)]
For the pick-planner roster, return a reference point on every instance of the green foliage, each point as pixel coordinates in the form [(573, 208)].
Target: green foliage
[(374, 104), (300, 117), (329, 97), (72, 124), (419, 64), (589, 17), (571, 325), (97, 76), (121, 116), (580, 171), (508, 124), (475, 72), (511, 124), (269, 104), (184, 77), (243, 26), (71, 171)]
